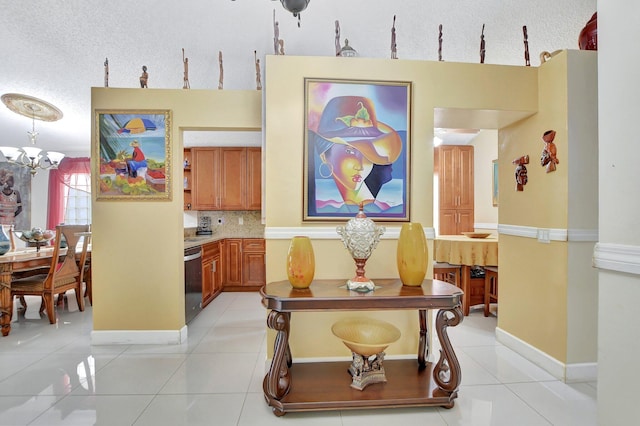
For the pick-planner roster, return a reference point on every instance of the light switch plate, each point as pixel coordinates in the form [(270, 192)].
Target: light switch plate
[(543, 235)]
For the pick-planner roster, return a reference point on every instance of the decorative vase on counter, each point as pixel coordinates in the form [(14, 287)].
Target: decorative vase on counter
[(5, 242), (301, 263), (412, 254)]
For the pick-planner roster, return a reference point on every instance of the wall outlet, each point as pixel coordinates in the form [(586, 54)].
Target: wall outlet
[(240, 220), (543, 236), (220, 220)]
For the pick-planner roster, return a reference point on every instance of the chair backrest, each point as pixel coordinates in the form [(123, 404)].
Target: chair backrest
[(82, 262), (66, 271)]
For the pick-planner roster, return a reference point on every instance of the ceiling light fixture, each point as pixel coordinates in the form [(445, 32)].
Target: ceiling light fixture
[(31, 157), (295, 7)]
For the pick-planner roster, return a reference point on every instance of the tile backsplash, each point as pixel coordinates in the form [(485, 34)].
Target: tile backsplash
[(241, 224)]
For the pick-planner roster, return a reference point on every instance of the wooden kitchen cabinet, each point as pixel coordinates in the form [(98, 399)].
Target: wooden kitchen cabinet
[(211, 272), (454, 167), (244, 260), (233, 262), (188, 179), (253, 262), (226, 178), (205, 172)]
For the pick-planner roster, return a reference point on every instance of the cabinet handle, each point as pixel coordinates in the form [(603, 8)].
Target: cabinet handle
[(213, 266)]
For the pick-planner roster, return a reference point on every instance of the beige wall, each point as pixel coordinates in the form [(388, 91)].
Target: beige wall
[(138, 246), (484, 152), (537, 278), (496, 91)]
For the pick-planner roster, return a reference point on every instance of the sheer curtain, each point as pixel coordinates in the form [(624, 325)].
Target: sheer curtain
[(59, 186)]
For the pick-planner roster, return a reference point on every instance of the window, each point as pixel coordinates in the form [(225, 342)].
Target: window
[(78, 200), (70, 193)]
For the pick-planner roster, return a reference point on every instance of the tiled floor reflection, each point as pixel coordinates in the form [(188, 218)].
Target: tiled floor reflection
[(51, 375)]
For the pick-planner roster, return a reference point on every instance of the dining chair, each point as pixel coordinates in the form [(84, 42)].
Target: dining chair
[(490, 287), (64, 272), (447, 272)]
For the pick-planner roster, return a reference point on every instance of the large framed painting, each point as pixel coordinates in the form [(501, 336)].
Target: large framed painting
[(356, 149), (134, 152)]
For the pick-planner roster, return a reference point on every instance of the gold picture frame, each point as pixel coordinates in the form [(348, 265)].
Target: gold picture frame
[(132, 152)]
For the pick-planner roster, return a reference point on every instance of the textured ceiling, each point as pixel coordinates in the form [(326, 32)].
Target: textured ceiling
[(55, 50)]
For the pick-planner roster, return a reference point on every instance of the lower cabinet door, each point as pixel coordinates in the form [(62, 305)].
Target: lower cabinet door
[(253, 269)]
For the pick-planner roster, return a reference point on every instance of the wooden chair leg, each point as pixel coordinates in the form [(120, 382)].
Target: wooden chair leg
[(80, 297), (47, 299), (487, 291)]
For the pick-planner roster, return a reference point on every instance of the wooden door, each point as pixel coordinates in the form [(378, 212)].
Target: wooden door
[(448, 222), (205, 193), (207, 282), (253, 262), (254, 179), (217, 274), (233, 178), (465, 178)]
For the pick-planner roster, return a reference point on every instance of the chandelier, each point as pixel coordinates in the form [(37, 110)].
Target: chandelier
[(295, 7), (31, 157)]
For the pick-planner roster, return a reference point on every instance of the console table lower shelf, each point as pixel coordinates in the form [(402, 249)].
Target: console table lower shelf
[(292, 387), (326, 386)]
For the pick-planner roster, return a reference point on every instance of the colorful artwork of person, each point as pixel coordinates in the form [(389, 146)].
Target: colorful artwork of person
[(357, 149)]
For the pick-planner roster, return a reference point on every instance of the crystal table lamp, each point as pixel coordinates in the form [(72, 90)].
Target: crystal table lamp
[(360, 236)]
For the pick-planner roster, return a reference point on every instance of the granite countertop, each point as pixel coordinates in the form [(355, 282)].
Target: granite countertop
[(192, 240)]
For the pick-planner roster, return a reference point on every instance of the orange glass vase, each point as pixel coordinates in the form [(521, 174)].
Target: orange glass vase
[(301, 264), (412, 254)]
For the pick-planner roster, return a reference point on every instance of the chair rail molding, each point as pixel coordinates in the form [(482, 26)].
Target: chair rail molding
[(329, 232), (555, 234), (617, 257)]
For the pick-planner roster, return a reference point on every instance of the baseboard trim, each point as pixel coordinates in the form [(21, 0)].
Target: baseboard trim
[(568, 373), (139, 337)]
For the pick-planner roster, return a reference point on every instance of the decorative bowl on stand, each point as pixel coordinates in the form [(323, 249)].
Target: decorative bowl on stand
[(366, 337), (36, 237)]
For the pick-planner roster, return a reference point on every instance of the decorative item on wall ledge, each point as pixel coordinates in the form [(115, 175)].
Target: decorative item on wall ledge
[(221, 78), (440, 43), (106, 72), (144, 77), (301, 262), (134, 152), (347, 51), (295, 7), (185, 77), (588, 39), (337, 38), (483, 49), (527, 61), (412, 254), (258, 72), (548, 157), (360, 236), (545, 56), (521, 172), (394, 45), (356, 149), (31, 156)]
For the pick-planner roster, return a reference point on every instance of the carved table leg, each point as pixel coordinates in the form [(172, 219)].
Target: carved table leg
[(6, 301), (447, 373), (423, 345), (277, 381)]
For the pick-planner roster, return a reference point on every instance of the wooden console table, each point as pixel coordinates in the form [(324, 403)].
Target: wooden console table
[(326, 385)]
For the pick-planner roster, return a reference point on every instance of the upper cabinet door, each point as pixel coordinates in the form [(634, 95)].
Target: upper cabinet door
[(205, 194), (233, 178), (254, 178)]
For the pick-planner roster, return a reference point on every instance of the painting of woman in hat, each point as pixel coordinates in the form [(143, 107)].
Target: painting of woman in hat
[(352, 155)]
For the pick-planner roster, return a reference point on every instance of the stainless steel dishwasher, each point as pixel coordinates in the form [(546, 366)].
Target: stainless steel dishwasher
[(192, 282)]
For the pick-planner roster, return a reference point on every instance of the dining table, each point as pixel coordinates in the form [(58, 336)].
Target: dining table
[(467, 252), (21, 261)]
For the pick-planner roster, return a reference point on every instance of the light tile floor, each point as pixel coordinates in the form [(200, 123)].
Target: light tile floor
[(51, 375)]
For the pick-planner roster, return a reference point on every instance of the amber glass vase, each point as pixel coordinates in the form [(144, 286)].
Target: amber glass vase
[(301, 263), (412, 254)]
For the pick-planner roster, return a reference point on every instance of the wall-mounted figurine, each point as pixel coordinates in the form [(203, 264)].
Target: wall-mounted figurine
[(527, 62), (483, 49), (394, 45), (221, 79), (521, 172), (185, 78), (106, 72), (440, 42), (258, 78), (144, 78), (281, 44), (548, 157)]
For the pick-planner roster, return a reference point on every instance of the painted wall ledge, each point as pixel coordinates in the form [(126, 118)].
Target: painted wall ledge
[(330, 233), (617, 257)]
